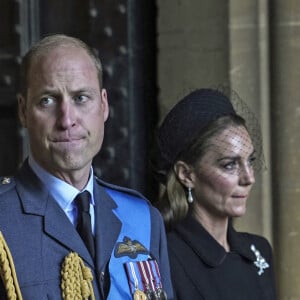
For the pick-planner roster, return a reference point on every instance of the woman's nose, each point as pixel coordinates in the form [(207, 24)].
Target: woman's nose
[(247, 175)]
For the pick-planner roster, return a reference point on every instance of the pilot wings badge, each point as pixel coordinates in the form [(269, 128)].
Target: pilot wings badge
[(129, 248)]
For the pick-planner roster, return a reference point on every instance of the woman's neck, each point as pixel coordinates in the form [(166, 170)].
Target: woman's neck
[(216, 226)]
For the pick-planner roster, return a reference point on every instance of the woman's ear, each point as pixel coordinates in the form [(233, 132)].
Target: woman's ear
[(185, 173)]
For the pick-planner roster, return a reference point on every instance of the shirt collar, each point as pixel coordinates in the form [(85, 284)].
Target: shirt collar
[(61, 191)]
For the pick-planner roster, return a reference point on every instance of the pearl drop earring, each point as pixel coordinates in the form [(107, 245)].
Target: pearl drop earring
[(190, 198)]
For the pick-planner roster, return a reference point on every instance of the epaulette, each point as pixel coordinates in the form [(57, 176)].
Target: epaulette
[(6, 183), (120, 188)]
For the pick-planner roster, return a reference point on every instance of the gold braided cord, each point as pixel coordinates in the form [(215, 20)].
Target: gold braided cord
[(8, 272), (76, 282)]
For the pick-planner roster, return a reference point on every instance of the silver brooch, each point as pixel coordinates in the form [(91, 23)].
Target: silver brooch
[(260, 261)]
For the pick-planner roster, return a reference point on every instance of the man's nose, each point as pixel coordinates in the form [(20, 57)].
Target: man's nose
[(66, 113)]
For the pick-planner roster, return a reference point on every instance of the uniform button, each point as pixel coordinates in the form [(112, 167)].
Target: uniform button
[(5, 180), (102, 276)]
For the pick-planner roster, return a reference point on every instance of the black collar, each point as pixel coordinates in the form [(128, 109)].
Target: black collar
[(206, 247)]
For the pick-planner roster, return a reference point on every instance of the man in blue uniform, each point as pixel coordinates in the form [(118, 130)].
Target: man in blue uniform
[(64, 107)]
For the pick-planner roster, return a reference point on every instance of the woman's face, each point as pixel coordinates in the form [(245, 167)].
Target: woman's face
[(223, 177)]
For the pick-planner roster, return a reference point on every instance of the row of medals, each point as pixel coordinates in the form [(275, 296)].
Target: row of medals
[(158, 294)]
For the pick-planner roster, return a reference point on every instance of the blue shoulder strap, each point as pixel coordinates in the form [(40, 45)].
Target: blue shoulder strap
[(133, 243)]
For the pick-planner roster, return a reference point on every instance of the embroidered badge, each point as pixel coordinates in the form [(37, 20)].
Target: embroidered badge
[(260, 262), (129, 248)]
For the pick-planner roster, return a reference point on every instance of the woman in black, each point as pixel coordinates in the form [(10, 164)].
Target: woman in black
[(206, 156)]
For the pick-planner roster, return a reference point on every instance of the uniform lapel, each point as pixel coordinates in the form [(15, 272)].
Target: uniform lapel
[(108, 226), (58, 226), (36, 200)]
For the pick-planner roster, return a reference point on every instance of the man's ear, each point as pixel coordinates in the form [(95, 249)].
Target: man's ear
[(105, 105), (185, 173), (22, 110)]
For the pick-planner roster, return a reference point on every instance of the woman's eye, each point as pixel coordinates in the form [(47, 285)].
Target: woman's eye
[(251, 160), (230, 165)]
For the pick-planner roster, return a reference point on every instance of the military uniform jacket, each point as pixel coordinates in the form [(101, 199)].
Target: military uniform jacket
[(39, 236), (202, 269)]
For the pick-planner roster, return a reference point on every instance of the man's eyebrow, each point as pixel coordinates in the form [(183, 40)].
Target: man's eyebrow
[(84, 90)]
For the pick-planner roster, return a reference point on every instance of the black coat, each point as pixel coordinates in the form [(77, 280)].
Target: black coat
[(202, 269)]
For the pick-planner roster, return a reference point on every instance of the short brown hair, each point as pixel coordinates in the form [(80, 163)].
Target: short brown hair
[(51, 42)]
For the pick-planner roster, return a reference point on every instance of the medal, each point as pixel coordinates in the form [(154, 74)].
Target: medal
[(144, 280), (139, 295), (160, 294), (149, 294)]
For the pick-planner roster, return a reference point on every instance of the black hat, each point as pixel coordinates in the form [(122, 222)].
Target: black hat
[(184, 121)]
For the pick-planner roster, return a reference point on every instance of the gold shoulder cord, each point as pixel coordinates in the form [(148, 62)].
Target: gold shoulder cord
[(76, 283), (8, 272)]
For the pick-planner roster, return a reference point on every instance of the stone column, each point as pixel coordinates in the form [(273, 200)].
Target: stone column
[(249, 76), (192, 47), (285, 103)]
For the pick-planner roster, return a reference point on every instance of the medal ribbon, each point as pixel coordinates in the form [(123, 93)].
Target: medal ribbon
[(133, 275), (144, 277), (150, 274), (155, 272), (147, 277)]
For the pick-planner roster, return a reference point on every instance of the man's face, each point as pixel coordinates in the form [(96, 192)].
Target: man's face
[(64, 111)]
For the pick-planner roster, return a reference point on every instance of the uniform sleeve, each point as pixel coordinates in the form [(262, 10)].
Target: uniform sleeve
[(159, 250)]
